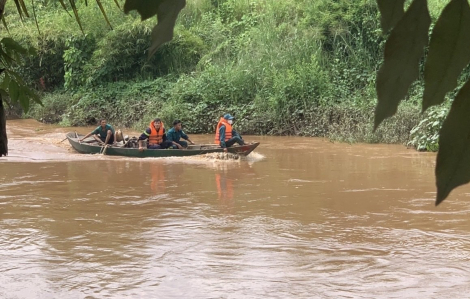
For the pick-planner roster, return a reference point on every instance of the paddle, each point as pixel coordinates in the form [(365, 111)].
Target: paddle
[(103, 149), (76, 135)]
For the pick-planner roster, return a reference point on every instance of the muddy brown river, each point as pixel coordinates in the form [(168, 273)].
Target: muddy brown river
[(298, 218)]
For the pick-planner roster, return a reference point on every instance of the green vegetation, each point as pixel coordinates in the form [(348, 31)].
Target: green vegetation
[(297, 67), (283, 68), (425, 136)]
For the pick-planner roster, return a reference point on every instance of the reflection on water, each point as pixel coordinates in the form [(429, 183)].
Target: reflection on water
[(301, 218), (224, 187), (158, 184)]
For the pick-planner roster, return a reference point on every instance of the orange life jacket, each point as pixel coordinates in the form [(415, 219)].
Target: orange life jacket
[(228, 130), (156, 137)]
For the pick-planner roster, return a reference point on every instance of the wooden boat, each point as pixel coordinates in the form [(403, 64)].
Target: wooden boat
[(90, 146)]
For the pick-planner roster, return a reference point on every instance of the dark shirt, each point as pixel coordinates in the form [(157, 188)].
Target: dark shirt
[(145, 135), (222, 135), (99, 131), (174, 135)]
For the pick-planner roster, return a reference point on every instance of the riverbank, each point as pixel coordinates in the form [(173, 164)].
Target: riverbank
[(340, 122)]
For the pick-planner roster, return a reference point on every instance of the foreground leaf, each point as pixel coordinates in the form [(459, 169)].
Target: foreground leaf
[(403, 51), (23, 100), (391, 11), (32, 95), (12, 46), (5, 24), (146, 8), (2, 7), (453, 158), (449, 52), (6, 82), (167, 12), (13, 91)]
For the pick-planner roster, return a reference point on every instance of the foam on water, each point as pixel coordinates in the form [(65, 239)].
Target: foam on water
[(215, 160)]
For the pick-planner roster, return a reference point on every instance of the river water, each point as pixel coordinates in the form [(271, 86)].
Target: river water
[(298, 218)]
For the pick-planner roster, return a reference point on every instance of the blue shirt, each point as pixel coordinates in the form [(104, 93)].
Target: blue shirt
[(173, 135), (222, 135)]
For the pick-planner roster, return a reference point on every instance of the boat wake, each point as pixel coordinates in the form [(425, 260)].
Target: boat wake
[(254, 157), (216, 158)]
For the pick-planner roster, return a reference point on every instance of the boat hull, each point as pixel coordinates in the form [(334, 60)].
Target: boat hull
[(193, 150)]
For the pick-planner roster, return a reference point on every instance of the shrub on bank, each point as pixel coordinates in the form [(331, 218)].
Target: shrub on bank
[(122, 55), (425, 135), (135, 105), (44, 71)]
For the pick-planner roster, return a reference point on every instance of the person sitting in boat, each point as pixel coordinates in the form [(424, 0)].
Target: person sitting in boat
[(103, 133), (175, 134), (225, 135), (156, 136)]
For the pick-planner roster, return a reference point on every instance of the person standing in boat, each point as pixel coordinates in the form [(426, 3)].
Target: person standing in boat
[(156, 136), (175, 134), (225, 135), (103, 133)]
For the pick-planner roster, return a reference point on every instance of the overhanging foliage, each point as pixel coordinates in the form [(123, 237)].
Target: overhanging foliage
[(448, 55)]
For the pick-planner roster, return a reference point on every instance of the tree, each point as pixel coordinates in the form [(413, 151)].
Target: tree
[(14, 91)]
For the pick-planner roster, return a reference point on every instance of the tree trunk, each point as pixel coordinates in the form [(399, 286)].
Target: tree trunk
[(2, 8), (3, 131), (3, 120)]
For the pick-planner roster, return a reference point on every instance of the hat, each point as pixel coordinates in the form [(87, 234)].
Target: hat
[(228, 116)]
